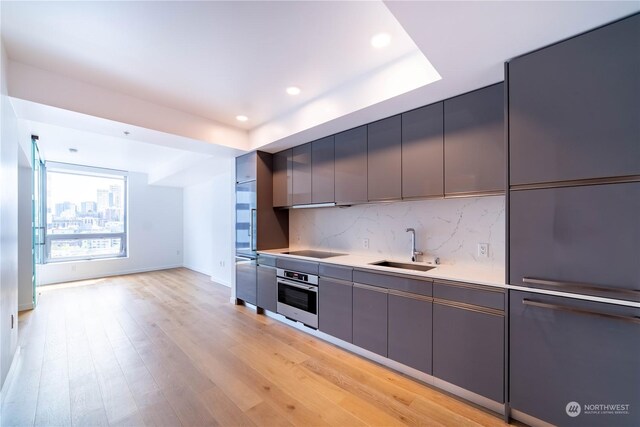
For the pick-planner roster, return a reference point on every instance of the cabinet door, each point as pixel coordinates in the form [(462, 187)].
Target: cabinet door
[(302, 174), (410, 329), (566, 236), (282, 178), (351, 165), (474, 157), (370, 318), (423, 152), (246, 281), (246, 167), (335, 315), (384, 159), (267, 288), (565, 350), (574, 109), (468, 349), (322, 171)]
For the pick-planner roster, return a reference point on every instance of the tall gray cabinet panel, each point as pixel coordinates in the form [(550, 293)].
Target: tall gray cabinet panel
[(566, 236), (566, 350), (335, 314), (474, 148), (351, 165), (574, 109), (246, 167), (410, 330), (423, 152), (468, 349), (246, 281), (322, 171), (302, 174), (267, 288), (370, 318), (384, 159), (282, 179)]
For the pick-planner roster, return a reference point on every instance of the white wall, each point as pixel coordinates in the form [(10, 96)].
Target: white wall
[(25, 257), (155, 236), (8, 224), (208, 226), (450, 229)]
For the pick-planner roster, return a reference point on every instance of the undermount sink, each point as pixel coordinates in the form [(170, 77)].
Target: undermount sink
[(402, 265)]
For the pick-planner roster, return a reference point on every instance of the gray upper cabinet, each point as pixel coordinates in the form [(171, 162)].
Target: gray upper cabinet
[(323, 170), (566, 350), (335, 308), (577, 239), (282, 178), (302, 174), (423, 152), (384, 157), (246, 167), (370, 318), (410, 330), (351, 166), (474, 148), (574, 109)]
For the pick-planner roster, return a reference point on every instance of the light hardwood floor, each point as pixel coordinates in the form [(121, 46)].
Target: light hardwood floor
[(167, 348)]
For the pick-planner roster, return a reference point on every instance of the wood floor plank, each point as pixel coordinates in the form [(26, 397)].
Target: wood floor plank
[(167, 348)]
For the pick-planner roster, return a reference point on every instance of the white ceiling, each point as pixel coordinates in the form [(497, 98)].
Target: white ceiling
[(210, 59), (218, 59)]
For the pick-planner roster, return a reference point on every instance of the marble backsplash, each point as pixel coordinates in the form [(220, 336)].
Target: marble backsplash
[(450, 229)]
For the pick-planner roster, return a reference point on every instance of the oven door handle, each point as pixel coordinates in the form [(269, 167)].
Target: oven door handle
[(296, 285)]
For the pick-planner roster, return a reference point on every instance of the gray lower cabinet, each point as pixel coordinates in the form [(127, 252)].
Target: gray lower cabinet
[(410, 330), (569, 356), (246, 281), (267, 288), (384, 159), (574, 109), (468, 348), (560, 238), (335, 308), (351, 166), (323, 171), (423, 152), (474, 147), (282, 179), (301, 174), (370, 318)]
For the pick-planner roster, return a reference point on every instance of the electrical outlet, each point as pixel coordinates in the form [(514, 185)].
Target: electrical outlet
[(365, 243), (483, 250)]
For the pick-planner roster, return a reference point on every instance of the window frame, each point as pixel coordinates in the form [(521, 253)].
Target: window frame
[(82, 170)]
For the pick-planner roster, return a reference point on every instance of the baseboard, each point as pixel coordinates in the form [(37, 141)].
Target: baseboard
[(220, 282), (25, 307), (115, 273), (9, 379)]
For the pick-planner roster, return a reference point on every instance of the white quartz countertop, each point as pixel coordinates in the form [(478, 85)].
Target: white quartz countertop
[(458, 273)]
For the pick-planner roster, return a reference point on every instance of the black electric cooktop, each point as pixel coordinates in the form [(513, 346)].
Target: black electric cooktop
[(314, 254)]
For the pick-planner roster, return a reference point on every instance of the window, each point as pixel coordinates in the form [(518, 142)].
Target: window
[(86, 213)]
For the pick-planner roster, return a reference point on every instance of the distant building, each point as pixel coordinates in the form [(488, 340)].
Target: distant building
[(66, 209), (88, 207), (103, 200)]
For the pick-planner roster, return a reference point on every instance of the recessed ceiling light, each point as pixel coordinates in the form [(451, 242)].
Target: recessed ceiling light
[(293, 90), (242, 118), (126, 132), (73, 150), (380, 40)]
